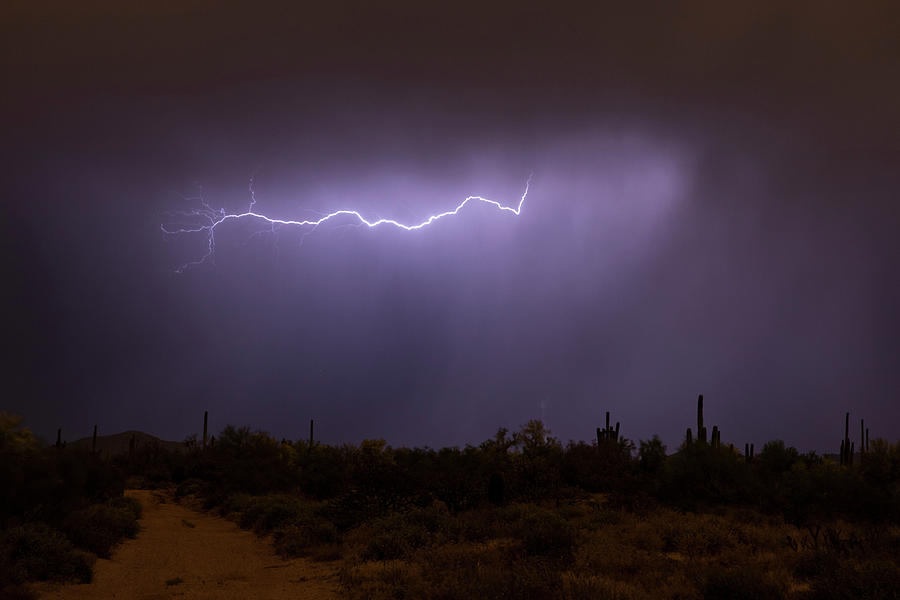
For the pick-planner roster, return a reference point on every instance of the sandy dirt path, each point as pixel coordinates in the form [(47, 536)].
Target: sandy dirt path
[(183, 553)]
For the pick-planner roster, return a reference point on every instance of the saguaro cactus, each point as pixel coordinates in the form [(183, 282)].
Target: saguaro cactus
[(205, 418), (689, 437), (608, 433), (94, 441), (311, 441), (847, 448), (701, 430), (59, 438)]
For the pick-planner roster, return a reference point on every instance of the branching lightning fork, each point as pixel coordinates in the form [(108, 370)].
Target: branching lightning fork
[(206, 219)]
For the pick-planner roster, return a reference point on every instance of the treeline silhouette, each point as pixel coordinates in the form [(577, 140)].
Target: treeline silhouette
[(372, 478)]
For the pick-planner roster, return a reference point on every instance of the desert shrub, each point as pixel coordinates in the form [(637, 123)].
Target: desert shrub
[(266, 513), (460, 571), (701, 475), (397, 534), (46, 484), (576, 586), (699, 535), (745, 583), (776, 459), (394, 538), (189, 487), (38, 552), (541, 531), (876, 578), (453, 571), (811, 565), (324, 470), (652, 455), (252, 462), (382, 580), (630, 551), (14, 591), (99, 527), (353, 509), (132, 505), (478, 525), (235, 503), (297, 538)]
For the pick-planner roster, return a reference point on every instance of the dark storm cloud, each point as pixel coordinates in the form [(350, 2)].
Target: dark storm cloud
[(713, 210)]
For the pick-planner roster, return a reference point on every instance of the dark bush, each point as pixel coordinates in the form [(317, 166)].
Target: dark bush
[(652, 455), (189, 487), (702, 475), (542, 532), (873, 579), (477, 525), (38, 552), (235, 503), (393, 541), (265, 513), (741, 584), (545, 533), (352, 509), (132, 505), (454, 571), (99, 527), (296, 539)]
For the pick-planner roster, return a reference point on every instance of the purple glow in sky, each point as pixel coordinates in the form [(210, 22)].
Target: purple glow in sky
[(713, 210)]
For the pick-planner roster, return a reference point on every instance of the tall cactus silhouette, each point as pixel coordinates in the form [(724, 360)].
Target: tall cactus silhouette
[(608, 433), (846, 447), (701, 430)]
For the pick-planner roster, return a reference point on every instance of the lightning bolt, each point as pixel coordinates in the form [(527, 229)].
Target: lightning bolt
[(205, 219)]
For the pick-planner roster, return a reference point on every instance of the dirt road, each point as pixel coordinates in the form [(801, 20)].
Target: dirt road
[(183, 553)]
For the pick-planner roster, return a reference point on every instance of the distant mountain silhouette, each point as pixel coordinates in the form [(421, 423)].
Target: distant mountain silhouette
[(118, 443)]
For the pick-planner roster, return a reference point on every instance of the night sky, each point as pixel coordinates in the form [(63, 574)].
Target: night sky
[(713, 209)]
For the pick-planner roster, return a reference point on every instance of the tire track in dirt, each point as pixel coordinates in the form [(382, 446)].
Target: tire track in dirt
[(184, 553)]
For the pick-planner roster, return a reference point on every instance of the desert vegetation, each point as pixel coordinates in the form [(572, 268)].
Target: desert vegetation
[(60, 508), (520, 515)]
